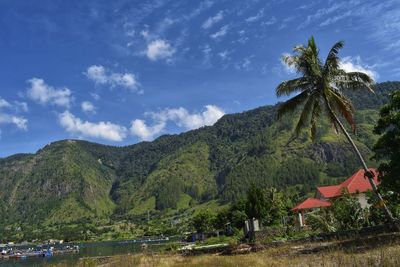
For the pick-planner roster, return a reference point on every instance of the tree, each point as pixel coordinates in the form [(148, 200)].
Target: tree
[(320, 90), (256, 204), (204, 221), (275, 206), (388, 146)]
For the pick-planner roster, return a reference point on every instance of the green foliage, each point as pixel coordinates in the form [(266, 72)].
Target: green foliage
[(387, 147), (204, 221), (344, 214), (275, 207), (266, 205), (256, 203)]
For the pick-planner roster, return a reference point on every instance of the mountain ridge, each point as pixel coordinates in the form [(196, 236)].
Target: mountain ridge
[(68, 181)]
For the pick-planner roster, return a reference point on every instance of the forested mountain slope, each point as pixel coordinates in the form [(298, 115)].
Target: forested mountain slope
[(71, 180)]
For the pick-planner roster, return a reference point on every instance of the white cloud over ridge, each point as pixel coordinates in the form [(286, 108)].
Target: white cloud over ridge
[(101, 130), (100, 75), (180, 116), (350, 64), (159, 49), (212, 20), (43, 93), (145, 132)]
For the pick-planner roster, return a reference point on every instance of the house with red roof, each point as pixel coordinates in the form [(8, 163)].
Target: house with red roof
[(356, 184)]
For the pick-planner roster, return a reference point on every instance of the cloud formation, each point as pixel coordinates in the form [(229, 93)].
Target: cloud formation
[(222, 32), (145, 132), (43, 93), (179, 116), (212, 20), (20, 122), (6, 118), (256, 17), (102, 130), (189, 121), (350, 64), (88, 107), (4, 103), (100, 75), (159, 49)]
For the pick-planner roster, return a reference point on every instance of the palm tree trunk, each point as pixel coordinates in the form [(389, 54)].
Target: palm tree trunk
[(368, 173)]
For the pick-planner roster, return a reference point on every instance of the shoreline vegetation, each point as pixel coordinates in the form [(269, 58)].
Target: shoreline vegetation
[(377, 250)]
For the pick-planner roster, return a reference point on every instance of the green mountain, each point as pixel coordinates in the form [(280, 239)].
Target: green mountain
[(72, 181)]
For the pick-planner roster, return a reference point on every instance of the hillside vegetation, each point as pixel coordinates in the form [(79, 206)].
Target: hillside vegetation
[(72, 182)]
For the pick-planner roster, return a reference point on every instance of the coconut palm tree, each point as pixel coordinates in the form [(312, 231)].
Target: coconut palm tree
[(319, 91)]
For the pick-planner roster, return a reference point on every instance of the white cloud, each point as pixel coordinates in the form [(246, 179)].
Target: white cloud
[(256, 17), (43, 93), (182, 118), (4, 103), (207, 54), (203, 6), (145, 132), (21, 106), (95, 96), (129, 29), (212, 20), (350, 64), (323, 13), (20, 122), (334, 19), (269, 22), (100, 75), (222, 32), (224, 55), (88, 107), (6, 118), (102, 130), (244, 64), (159, 49)]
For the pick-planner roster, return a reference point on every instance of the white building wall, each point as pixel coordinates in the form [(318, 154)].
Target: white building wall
[(362, 199)]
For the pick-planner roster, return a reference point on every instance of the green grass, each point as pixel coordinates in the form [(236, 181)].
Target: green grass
[(144, 206), (184, 201)]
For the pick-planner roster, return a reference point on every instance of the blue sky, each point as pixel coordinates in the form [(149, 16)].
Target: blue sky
[(119, 72)]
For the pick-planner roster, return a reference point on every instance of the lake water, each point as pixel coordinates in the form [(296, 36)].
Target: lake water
[(106, 248)]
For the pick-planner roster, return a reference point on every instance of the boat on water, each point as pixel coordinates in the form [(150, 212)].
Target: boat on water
[(39, 251)]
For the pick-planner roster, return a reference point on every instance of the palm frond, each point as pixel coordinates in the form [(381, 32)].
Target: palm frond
[(292, 104), (308, 62), (354, 81), (342, 105), (316, 113), (305, 114), (292, 86), (332, 60)]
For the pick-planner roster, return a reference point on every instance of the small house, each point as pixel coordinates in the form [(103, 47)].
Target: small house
[(356, 184)]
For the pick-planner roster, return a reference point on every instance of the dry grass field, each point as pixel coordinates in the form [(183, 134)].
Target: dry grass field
[(372, 251)]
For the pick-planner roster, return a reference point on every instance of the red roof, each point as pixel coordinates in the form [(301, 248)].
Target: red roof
[(330, 191), (311, 203), (355, 183)]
